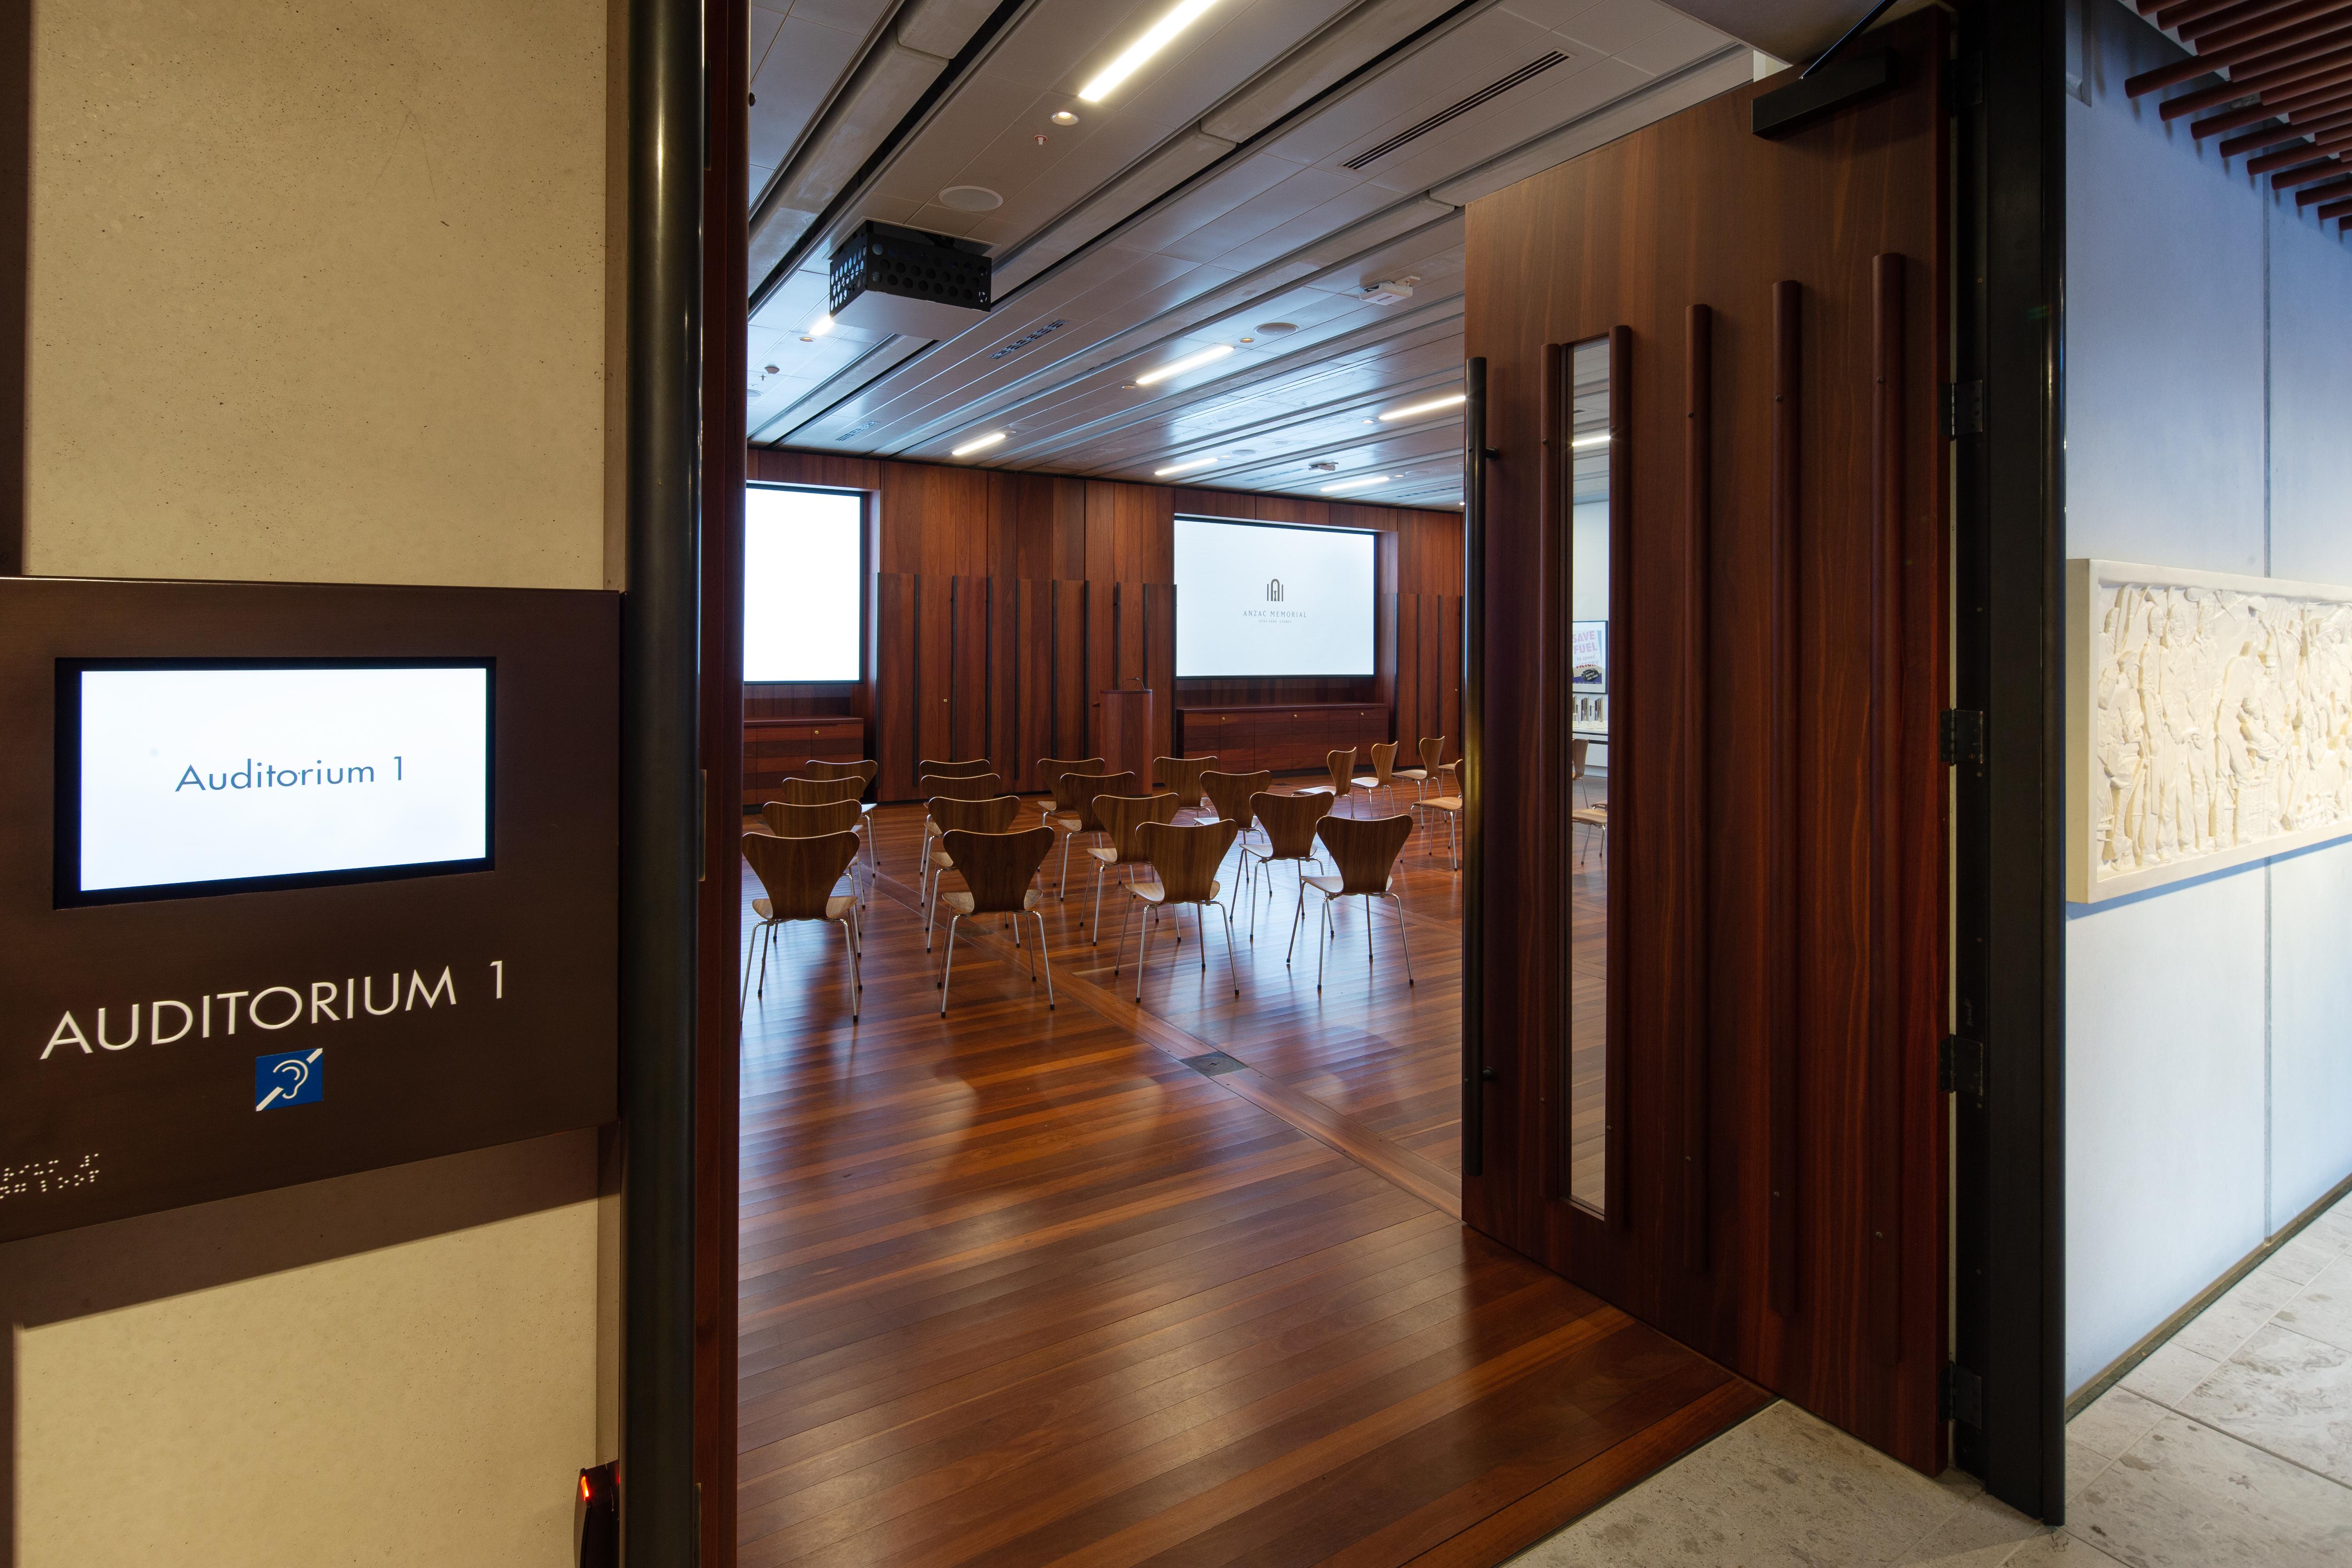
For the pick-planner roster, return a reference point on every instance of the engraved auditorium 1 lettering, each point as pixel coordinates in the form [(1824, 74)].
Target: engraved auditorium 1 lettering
[(168, 1021)]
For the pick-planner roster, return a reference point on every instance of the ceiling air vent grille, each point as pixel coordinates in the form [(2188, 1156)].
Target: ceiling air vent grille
[(1526, 72)]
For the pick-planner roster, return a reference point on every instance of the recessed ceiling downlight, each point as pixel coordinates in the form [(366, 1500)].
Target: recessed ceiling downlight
[(971, 199)]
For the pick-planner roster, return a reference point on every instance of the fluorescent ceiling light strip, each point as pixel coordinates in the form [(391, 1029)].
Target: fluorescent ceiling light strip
[(1189, 362), (1179, 17), (1184, 467), (1357, 484), (1430, 407), (968, 447), (1581, 442)]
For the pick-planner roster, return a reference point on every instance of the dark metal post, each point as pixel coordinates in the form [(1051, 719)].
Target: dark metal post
[(2008, 973), (659, 781), (1474, 767)]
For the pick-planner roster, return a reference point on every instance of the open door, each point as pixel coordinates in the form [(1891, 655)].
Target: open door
[(1709, 805)]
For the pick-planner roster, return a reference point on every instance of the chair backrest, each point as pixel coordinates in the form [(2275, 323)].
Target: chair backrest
[(799, 873), (1121, 814), (789, 821), (1186, 857), (1341, 766), (1384, 761), (1051, 771), (1365, 849), (959, 786), (1576, 750), (814, 769), (1182, 775), (1231, 794), (1432, 752), (954, 770), (994, 815), (1090, 786), (996, 866), (820, 792), (1290, 822)]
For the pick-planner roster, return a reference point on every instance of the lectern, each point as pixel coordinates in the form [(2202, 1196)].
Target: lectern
[(1126, 730)]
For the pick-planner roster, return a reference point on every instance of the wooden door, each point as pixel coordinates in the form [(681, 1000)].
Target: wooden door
[(1712, 1044)]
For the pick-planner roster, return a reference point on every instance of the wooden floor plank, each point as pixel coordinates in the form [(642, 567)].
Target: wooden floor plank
[(1019, 1287)]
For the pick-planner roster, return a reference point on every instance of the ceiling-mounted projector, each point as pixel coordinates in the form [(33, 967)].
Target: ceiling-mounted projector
[(887, 278)]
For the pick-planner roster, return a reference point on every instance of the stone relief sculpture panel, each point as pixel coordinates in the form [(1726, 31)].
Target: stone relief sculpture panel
[(2209, 722)]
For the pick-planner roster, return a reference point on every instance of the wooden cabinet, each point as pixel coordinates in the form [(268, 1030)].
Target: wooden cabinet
[(773, 749), (1283, 737)]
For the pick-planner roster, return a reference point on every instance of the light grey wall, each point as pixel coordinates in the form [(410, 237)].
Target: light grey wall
[(2208, 1056)]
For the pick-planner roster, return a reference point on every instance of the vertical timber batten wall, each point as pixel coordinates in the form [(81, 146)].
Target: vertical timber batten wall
[(1005, 601)]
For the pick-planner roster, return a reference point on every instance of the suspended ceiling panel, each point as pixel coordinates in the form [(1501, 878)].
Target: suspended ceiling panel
[(1236, 197)]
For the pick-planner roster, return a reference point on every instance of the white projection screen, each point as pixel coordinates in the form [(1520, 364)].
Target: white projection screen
[(179, 777), (803, 582), (1261, 599)]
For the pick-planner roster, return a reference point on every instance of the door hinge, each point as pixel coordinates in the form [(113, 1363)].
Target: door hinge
[(1961, 737), (1959, 1396), (1964, 409), (1964, 83), (1961, 1065)]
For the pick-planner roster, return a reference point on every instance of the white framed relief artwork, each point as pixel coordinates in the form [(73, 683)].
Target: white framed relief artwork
[(2209, 722)]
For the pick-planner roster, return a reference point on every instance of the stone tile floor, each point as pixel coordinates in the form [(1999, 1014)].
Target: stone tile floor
[(2230, 1446)]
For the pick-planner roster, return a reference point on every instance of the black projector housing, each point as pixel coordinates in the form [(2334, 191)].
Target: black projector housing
[(887, 278)]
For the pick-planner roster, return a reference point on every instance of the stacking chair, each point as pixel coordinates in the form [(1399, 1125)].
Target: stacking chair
[(1120, 816), (798, 875), (997, 870), (1184, 862), (1052, 771), (1433, 750), (862, 771), (1577, 751), (949, 786), (1449, 806), (1365, 851), (1429, 746), (786, 820), (1593, 818), (1383, 777), (1080, 790), (1341, 766), (1182, 776), (1229, 794), (994, 815), (1289, 821), (799, 791)]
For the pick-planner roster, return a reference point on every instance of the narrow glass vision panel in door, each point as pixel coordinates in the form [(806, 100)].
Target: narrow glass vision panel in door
[(181, 777), (1587, 687)]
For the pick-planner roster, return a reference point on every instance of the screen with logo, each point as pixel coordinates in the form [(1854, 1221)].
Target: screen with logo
[(803, 584), (180, 777), (1260, 598)]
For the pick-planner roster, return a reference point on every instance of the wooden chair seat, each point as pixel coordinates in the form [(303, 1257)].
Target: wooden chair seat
[(964, 903), (1154, 892), (838, 905)]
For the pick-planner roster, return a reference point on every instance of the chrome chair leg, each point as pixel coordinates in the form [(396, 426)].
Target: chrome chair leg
[(1234, 972), (1143, 945), (1048, 958), (948, 974), (1402, 940), (856, 984), (1120, 952)]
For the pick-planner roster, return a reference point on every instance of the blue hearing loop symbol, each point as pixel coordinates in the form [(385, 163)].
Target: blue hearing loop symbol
[(293, 1079)]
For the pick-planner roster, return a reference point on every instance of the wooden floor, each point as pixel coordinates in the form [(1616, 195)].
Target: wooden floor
[(1021, 1287)]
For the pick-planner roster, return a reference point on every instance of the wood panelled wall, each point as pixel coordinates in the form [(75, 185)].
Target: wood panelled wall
[(1002, 603)]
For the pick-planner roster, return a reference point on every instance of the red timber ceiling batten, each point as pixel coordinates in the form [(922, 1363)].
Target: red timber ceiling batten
[(2284, 92)]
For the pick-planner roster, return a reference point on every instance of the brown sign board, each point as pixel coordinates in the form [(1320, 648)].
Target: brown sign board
[(187, 1036)]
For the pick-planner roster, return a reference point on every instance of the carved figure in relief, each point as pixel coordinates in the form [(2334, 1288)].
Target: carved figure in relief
[(2221, 719)]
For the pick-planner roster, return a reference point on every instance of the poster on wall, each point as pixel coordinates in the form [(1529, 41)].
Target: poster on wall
[(1588, 657), (2209, 722)]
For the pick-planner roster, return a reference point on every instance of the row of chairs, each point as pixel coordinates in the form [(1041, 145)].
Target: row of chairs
[(821, 821)]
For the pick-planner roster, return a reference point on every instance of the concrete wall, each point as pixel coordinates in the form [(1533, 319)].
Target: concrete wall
[(2209, 1024), (320, 293)]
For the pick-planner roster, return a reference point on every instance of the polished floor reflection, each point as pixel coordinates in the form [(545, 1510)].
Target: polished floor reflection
[(1022, 1287)]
